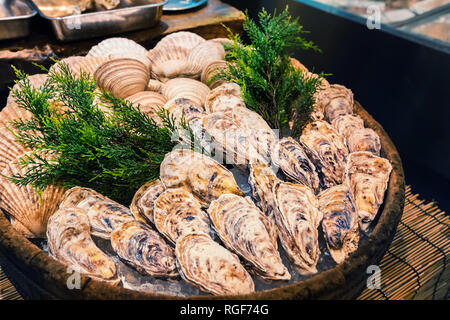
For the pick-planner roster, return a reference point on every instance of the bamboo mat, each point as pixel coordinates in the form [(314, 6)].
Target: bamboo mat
[(414, 267)]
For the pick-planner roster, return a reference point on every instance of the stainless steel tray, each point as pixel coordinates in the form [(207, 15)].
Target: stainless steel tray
[(15, 16), (129, 16)]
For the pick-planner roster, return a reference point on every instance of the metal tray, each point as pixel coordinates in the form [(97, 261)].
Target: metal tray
[(15, 16), (180, 5), (129, 16)]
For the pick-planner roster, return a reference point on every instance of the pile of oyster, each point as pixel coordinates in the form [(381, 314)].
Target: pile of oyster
[(196, 222)]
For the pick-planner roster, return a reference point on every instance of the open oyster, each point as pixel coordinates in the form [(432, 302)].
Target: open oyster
[(327, 150), (244, 229), (367, 176), (70, 242), (142, 204), (340, 222), (298, 217), (105, 215), (210, 267), (177, 213), (143, 248)]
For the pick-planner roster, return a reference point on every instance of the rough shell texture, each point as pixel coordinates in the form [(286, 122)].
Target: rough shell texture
[(336, 100), (181, 107), (155, 85), (210, 70), (105, 215), (210, 267), (186, 88), (348, 123), (340, 222), (225, 97), (142, 204), (298, 65), (177, 213), (297, 216), (185, 39), (327, 150), (88, 64), (122, 77), (245, 230), (203, 176), (71, 62), (200, 56), (168, 62), (18, 226), (364, 139), (143, 248), (70, 242), (367, 177), (107, 4), (10, 150)]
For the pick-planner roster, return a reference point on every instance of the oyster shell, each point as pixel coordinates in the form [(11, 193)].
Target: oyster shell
[(298, 65), (105, 215), (225, 97), (186, 88), (185, 39), (295, 164), (298, 217), (210, 70), (177, 213), (168, 62), (181, 107), (327, 150), (340, 222), (142, 204), (336, 100), (70, 242), (204, 177), (143, 248), (244, 229), (347, 124), (107, 4), (201, 55), (122, 77), (367, 176), (364, 139), (210, 267)]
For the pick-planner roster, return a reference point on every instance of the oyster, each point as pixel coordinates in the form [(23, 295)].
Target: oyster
[(105, 215), (367, 176), (347, 124), (143, 248), (335, 100), (364, 139), (70, 242), (210, 70), (298, 217), (186, 88), (327, 150), (204, 177), (210, 267), (244, 229), (177, 213), (225, 97), (340, 222), (142, 204), (298, 65)]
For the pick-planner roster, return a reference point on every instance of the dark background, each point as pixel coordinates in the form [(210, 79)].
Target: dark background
[(404, 85)]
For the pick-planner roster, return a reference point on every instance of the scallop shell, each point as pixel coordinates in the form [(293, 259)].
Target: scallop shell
[(185, 39), (105, 215), (107, 4), (89, 65), (116, 48), (327, 150), (70, 242), (210, 267), (10, 150), (177, 213), (204, 177), (70, 62), (36, 82), (201, 55), (367, 176), (155, 85), (142, 204), (245, 230), (186, 88), (210, 70), (298, 65), (19, 227), (149, 102), (122, 77), (168, 63), (340, 222), (225, 97), (294, 162), (297, 218), (222, 40), (143, 248), (336, 100), (25, 204), (181, 107)]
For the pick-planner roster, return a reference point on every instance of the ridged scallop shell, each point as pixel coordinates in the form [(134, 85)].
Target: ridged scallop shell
[(69, 61), (10, 150), (298, 65), (210, 267), (367, 177), (168, 63), (89, 65), (348, 123), (298, 218), (186, 88), (148, 102), (143, 248), (185, 39), (70, 243), (293, 161), (225, 97), (122, 77), (36, 82), (201, 55), (210, 70), (155, 85), (245, 230), (107, 4), (181, 107), (116, 48), (105, 215), (336, 100), (177, 213), (204, 177), (19, 227), (222, 40), (340, 222), (25, 204), (142, 204), (327, 150)]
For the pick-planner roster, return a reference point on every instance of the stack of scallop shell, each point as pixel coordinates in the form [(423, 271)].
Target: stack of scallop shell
[(195, 221)]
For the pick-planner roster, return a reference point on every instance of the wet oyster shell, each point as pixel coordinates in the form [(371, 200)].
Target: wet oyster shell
[(298, 65), (327, 150), (364, 139), (225, 97), (210, 267), (298, 217), (70, 242), (143, 248), (245, 230), (335, 100), (204, 177), (346, 124), (142, 204), (367, 177), (340, 222)]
